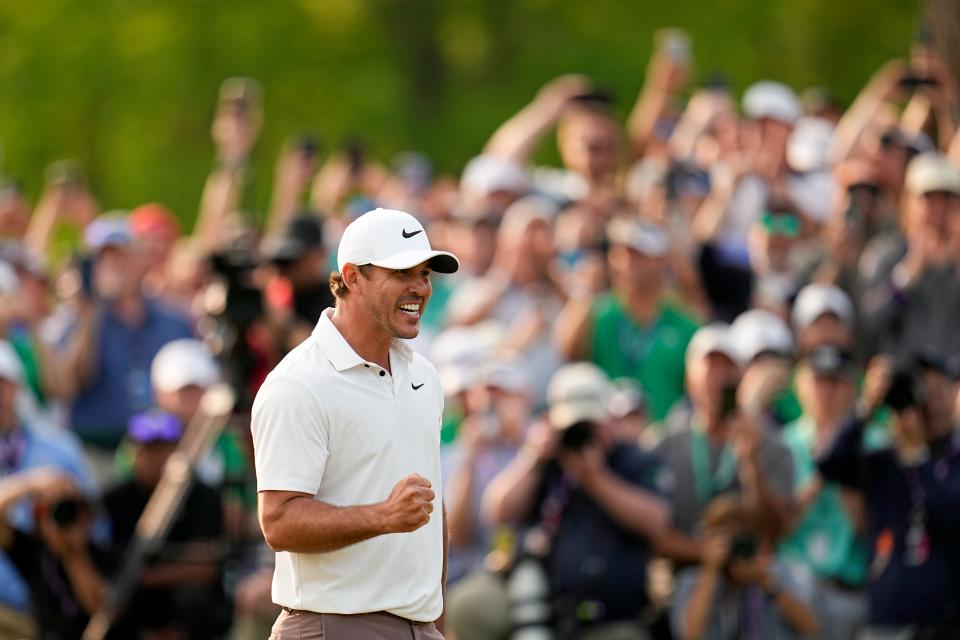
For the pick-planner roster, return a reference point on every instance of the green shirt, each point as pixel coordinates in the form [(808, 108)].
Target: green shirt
[(22, 344), (825, 540), (653, 355)]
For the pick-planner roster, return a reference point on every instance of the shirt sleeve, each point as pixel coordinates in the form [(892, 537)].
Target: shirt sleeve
[(290, 437)]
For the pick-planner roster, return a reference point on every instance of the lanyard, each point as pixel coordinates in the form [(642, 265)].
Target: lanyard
[(706, 483)]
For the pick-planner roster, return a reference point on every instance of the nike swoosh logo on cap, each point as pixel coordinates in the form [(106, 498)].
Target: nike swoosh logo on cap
[(417, 386), (410, 235)]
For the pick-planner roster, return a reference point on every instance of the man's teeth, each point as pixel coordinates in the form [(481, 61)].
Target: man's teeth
[(410, 308)]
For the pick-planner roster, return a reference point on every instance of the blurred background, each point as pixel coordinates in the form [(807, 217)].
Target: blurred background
[(129, 89)]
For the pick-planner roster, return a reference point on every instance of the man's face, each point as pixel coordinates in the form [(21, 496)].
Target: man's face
[(116, 273), (395, 299), (149, 460), (14, 214), (628, 265), (940, 395), (827, 330), (707, 377), (8, 404), (590, 144), (183, 403), (934, 219), (825, 397)]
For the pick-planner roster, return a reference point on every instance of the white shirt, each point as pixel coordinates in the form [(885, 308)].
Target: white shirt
[(327, 423)]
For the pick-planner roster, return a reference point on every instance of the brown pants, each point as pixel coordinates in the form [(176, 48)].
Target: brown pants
[(307, 625)]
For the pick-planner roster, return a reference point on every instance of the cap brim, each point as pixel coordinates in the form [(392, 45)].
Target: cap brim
[(440, 261), (566, 414)]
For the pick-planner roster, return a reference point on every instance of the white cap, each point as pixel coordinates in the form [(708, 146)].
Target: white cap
[(932, 171), (773, 100), (183, 363), (759, 331), (487, 173), (459, 353), (10, 368), (712, 338), (393, 240), (817, 299), (645, 238), (9, 282), (506, 375), (578, 392), (808, 147)]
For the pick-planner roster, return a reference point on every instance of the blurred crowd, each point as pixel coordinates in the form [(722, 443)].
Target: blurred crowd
[(701, 380)]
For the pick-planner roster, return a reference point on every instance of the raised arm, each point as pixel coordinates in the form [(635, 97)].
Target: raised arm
[(518, 137)]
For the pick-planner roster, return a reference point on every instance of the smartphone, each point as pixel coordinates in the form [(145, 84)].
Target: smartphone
[(85, 268), (63, 173), (243, 95), (728, 402), (914, 82), (674, 43)]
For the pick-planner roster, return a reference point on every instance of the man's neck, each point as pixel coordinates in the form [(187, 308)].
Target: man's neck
[(369, 341), (641, 303), (131, 308)]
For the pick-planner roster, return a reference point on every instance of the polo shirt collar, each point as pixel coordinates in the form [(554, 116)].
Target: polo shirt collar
[(341, 354)]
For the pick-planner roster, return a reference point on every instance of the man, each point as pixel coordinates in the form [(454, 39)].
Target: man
[(827, 535), (719, 446), (108, 350), (632, 330), (914, 302), (596, 501), (911, 494), (346, 434), (181, 590), (23, 448), (823, 316)]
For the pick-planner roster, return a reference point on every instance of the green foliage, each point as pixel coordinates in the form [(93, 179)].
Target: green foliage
[(128, 87)]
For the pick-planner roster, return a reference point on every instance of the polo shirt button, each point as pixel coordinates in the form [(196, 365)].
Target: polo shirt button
[(367, 366), (383, 373)]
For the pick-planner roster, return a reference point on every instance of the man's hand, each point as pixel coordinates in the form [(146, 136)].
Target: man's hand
[(875, 385), (409, 506), (716, 551), (585, 466), (541, 442), (557, 94), (760, 385)]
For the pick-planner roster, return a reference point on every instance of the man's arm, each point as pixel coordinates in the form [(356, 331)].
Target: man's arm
[(511, 494), (293, 521), (676, 545)]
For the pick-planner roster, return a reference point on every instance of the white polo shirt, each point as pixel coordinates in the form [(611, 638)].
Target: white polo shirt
[(328, 423)]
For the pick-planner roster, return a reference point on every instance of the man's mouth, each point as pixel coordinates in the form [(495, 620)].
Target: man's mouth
[(412, 309)]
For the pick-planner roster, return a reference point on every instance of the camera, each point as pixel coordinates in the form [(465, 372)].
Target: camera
[(906, 390), (577, 436), (744, 546), (67, 511)]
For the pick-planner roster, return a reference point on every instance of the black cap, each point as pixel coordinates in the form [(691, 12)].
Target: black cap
[(301, 234), (929, 360), (830, 361)]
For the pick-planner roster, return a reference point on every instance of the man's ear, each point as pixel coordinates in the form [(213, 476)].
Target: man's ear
[(350, 275)]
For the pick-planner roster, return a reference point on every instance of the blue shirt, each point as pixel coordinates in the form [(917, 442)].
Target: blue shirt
[(38, 448), (122, 384)]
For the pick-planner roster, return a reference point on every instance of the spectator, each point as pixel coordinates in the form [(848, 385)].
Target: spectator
[(25, 448), (913, 309), (718, 444), (181, 590), (14, 211), (114, 338), (57, 559), (496, 415), (598, 501), (740, 591), (827, 537), (633, 330), (911, 498)]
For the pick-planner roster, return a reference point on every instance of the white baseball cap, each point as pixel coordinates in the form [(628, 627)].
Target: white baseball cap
[(184, 363), (488, 173), (712, 338), (772, 100), (393, 240), (10, 368), (808, 147), (759, 331), (933, 171), (9, 282), (817, 299), (645, 238), (579, 392)]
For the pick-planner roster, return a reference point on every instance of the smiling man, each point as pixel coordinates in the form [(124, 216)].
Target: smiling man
[(346, 434)]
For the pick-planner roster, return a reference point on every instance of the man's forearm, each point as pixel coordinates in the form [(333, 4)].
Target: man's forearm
[(305, 525), (87, 583), (700, 604), (511, 493), (640, 511)]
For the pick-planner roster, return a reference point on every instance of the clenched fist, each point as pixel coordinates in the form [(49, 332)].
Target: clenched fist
[(409, 506)]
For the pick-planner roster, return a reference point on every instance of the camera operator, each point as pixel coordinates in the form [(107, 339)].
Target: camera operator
[(740, 591), (57, 559), (597, 503), (912, 491)]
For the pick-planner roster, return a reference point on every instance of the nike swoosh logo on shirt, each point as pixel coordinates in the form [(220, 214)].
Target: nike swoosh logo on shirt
[(410, 235), (417, 386)]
